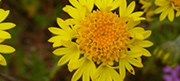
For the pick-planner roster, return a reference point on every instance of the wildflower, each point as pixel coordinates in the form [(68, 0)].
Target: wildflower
[(97, 42), (171, 74), (146, 5), (5, 35), (168, 8), (149, 15)]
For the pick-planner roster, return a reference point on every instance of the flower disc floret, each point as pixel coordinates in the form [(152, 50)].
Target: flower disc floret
[(103, 36), (176, 2)]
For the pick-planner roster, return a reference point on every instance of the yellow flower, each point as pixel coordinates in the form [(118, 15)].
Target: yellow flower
[(99, 42), (146, 4), (149, 15), (5, 35), (167, 7)]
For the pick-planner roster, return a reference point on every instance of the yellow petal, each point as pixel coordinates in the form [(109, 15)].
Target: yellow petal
[(3, 14), (98, 3), (77, 64), (73, 12), (137, 30), (83, 2), (75, 3), (57, 44), (90, 5), (6, 26), (56, 31), (145, 43), (77, 74), (164, 14), (139, 18), (171, 14), (160, 9), (98, 72), (129, 68), (105, 3), (108, 78), (134, 62), (75, 56), (71, 56), (1, 40), (139, 59), (4, 35), (136, 14), (86, 75), (147, 33), (113, 74), (70, 44), (139, 36), (130, 8), (61, 51), (134, 51), (64, 59), (92, 68), (146, 53), (122, 8), (6, 49), (55, 39), (140, 33), (63, 24), (131, 24), (159, 2), (83, 12), (2, 60), (86, 66), (115, 4), (122, 70), (102, 77)]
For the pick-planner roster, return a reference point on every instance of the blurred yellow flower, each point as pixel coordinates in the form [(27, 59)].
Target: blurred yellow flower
[(149, 15), (146, 4), (97, 42), (167, 7), (5, 35)]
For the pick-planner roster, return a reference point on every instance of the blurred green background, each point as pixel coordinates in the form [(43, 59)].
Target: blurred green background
[(33, 59)]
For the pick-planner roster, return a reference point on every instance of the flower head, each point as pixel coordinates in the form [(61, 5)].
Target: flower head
[(5, 35), (146, 4), (168, 8), (97, 42)]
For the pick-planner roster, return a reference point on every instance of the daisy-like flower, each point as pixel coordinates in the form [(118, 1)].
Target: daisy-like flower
[(149, 15), (168, 8), (146, 4), (5, 49), (100, 44)]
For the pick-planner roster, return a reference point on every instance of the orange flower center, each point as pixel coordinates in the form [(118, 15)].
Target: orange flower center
[(176, 2), (103, 36)]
